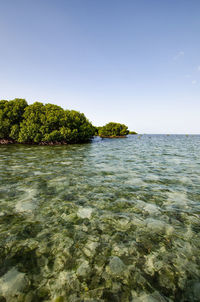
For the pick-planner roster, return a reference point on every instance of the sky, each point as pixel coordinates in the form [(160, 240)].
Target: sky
[(135, 62)]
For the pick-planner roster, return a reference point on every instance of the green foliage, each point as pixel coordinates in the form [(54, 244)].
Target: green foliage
[(76, 127), (49, 123), (14, 133), (42, 123), (53, 136), (31, 126), (11, 114), (132, 132), (113, 129), (96, 130)]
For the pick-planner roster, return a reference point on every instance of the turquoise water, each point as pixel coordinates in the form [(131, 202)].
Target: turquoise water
[(113, 220)]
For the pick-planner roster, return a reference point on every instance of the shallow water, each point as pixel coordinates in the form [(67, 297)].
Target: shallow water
[(113, 220)]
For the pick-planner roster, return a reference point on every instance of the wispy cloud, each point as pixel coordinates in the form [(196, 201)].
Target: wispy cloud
[(179, 55), (194, 82), (198, 68)]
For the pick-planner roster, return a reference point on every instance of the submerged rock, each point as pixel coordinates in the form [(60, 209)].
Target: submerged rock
[(193, 293), (13, 283), (154, 297), (116, 266), (90, 250), (84, 212), (84, 269), (25, 207), (156, 226), (152, 209), (196, 291)]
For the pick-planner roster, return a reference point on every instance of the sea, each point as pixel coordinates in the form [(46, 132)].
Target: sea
[(113, 220)]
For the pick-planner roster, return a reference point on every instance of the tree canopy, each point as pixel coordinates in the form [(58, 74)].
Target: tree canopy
[(38, 123), (11, 115), (132, 132), (113, 129), (47, 123)]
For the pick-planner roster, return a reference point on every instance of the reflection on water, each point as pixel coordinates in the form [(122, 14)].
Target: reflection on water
[(114, 220)]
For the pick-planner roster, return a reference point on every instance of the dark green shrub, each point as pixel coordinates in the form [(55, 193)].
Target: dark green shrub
[(50, 123), (132, 132), (11, 115), (113, 129)]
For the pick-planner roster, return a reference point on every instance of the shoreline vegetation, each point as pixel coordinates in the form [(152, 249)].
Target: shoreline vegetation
[(39, 124)]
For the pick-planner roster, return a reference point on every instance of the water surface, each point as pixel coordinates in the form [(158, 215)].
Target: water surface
[(113, 220)]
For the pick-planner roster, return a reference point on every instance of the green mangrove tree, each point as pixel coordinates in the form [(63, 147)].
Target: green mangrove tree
[(113, 130), (38, 123)]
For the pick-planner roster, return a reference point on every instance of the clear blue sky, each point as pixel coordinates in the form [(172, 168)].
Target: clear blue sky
[(136, 62)]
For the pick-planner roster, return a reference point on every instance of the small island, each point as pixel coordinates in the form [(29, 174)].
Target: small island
[(132, 133), (48, 124), (113, 130)]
